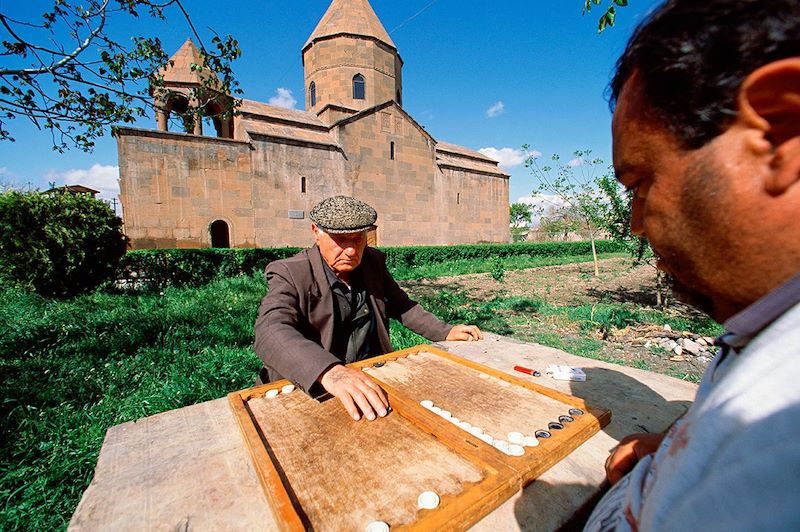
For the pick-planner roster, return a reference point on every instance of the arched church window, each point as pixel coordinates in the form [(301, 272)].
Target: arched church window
[(303, 184), (312, 91), (220, 235), (359, 87)]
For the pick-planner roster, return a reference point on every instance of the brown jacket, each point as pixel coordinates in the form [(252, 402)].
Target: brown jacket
[(294, 328)]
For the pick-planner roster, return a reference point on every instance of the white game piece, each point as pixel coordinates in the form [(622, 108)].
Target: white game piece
[(454, 420), (427, 403), (487, 438), (445, 414), (377, 526), (530, 441), (504, 384), (516, 450), (500, 445), (476, 431), (428, 500), (465, 425), (272, 393), (483, 376), (516, 437), (289, 388), (436, 410)]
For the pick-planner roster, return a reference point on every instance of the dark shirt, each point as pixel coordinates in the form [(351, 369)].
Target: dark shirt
[(354, 321)]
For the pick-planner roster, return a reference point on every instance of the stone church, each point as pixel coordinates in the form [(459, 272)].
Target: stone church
[(253, 182)]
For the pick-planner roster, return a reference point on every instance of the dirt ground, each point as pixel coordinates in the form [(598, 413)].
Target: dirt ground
[(640, 345)]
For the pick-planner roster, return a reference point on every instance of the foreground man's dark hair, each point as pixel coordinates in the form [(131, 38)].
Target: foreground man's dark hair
[(692, 56)]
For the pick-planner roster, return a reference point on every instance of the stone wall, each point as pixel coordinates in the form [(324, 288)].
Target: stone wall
[(173, 186), (332, 63), (281, 208)]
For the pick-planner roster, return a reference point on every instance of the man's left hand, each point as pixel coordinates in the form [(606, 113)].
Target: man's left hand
[(465, 333)]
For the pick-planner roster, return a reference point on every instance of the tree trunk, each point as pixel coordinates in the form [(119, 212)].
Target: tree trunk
[(594, 252), (658, 288)]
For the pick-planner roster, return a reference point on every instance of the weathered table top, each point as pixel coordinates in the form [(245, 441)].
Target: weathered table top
[(189, 469)]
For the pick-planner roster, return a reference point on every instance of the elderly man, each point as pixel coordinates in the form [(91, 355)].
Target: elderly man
[(330, 305), (707, 136)]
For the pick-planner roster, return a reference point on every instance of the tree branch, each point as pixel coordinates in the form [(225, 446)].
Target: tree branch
[(64, 60)]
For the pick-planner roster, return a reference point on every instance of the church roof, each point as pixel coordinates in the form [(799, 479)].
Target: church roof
[(461, 150), (272, 113), (266, 120), (351, 17), (181, 69), (459, 157), (289, 132)]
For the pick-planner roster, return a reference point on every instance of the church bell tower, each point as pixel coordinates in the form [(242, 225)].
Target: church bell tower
[(350, 62)]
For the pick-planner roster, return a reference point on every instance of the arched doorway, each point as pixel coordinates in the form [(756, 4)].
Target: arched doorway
[(220, 235)]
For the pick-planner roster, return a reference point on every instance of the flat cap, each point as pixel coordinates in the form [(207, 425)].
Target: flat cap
[(343, 214)]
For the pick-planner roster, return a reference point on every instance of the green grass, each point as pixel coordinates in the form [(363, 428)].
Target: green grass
[(69, 370)]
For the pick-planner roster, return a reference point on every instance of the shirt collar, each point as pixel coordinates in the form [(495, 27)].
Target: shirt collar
[(745, 325), (333, 280)]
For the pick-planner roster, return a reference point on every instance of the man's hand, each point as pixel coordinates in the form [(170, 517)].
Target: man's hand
[(627, 454), (356, 391), (466, 333)]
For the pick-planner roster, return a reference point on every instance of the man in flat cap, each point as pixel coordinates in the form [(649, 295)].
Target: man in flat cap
[(330, 305)]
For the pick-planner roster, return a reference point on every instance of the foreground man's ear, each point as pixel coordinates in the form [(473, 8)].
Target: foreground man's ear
[(769, 99)]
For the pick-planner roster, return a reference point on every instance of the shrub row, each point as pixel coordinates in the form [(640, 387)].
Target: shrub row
[(412, 256), (158, 268)]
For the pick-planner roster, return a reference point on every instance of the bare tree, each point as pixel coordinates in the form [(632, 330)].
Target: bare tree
[(574, 185), (66, 74)]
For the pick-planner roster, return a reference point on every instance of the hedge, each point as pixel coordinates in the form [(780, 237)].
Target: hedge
[(158, 268)]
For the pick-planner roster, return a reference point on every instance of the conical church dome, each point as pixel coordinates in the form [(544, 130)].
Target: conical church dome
[(350, 17)]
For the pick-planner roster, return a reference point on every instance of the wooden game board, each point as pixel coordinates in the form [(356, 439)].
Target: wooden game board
[(323, 471)]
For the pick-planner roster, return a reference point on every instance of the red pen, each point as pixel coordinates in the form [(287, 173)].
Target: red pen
[(529, 371)]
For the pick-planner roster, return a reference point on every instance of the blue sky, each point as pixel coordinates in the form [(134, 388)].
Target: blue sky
[(490, 76)]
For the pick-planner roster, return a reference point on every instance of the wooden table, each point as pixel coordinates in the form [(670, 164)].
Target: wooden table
[(188, 469)]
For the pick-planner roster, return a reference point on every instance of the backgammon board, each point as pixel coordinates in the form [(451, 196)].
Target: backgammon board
[(469, 434)]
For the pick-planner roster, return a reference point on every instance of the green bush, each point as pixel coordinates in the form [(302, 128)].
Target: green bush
[(58, 244), (159, 268)]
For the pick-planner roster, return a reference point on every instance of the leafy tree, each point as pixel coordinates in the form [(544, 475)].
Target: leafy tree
[(56, 243), (66, 74), (560, 226), (615, 219), (609, 17), (519, 214), (519, 218), (574, 186)]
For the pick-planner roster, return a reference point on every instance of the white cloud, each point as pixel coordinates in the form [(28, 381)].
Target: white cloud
[(578, 161), (283, 98), (508, 157), (104, 178), (495, 110)]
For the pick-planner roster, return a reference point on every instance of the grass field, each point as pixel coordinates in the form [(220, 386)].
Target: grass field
[(72, 369)]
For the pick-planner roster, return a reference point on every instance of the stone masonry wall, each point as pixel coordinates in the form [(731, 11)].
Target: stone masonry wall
[(278, 169), (332, 63), (173, 186)]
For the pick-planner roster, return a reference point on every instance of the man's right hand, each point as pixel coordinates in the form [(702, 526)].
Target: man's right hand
[(627, 454), (358, 393)]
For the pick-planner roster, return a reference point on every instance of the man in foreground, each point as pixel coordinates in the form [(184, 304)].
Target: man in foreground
[(707, 136), (330, 305)]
